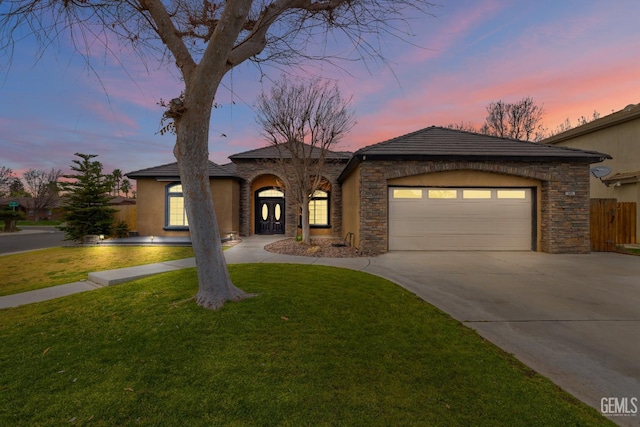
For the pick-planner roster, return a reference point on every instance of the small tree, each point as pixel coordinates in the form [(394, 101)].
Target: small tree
[(10, 217), (303, 120), (87, 200), (42, 188)]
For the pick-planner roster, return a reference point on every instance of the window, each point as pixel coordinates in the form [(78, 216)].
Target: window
[(319, 209), (512, 194), (176, 216), (476, 194), (407, 193), (443, 194), (271, 192)]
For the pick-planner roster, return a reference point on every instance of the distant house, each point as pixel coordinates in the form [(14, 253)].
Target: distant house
[(53, 212), (617, 134), (433, 189)]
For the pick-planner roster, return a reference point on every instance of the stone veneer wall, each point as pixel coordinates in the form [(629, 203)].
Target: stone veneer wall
[(249, 170), (565, 203)]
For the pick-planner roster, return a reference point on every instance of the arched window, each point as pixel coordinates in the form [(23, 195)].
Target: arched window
[(271, 192), (319, 209), (176, 215)]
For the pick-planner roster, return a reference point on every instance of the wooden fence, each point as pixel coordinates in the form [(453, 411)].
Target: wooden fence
[(612, 223), (128, 214)]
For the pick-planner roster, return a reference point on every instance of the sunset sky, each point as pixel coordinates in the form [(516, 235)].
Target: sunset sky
[(571, 56)]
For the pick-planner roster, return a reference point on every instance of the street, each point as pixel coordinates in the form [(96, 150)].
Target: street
[(31, 238)]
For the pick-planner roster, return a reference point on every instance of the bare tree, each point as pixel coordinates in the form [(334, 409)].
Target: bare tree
[(16, 188), (42, 187), (519, 120), (463, 126), (303, 120), (205, 40), (566, 125), (6, 178), (584, 120)]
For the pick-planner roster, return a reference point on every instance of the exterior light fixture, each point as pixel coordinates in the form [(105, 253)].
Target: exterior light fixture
[(151, 239)]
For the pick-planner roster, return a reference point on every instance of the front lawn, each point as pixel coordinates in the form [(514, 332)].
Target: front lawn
[(56, 266), (317, 346)]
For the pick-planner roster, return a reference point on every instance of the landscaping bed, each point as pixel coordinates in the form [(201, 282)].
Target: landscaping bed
[(320, 247)]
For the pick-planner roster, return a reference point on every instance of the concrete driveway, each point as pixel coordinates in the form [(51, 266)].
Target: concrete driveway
[(572, 318)]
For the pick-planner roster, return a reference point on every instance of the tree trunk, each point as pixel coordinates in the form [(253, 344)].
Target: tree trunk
[(191, 150), (306, 229)]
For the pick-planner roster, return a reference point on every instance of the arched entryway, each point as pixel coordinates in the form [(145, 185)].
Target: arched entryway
[(270, 211)]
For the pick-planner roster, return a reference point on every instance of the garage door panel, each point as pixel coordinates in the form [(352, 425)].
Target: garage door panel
[(406, 211), (501, 222)]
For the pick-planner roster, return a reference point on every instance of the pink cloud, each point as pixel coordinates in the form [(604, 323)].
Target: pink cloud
[(447, 31)]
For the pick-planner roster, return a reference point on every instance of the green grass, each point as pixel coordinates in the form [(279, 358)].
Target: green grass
[(629, 251), (37, 223), (56, 266), (317, 346)]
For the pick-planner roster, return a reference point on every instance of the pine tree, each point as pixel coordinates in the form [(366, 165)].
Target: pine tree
[(86, 195)]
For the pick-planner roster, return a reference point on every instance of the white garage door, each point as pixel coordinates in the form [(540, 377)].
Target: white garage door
[(460, 218)]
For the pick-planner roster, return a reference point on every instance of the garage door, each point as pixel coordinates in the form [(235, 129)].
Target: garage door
[(460, 218)]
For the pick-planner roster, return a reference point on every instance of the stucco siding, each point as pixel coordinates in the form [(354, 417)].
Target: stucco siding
[(351, 206), (622, 143), (151, 202)]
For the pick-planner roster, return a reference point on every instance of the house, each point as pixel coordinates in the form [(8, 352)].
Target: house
[(160, 201), (54, 210), (619, 135), (433, 189)]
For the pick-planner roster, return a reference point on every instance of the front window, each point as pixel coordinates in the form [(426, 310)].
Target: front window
[(319, 209), (176, 213)]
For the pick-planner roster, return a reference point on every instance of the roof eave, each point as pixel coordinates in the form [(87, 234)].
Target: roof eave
[(360, 158), (592, 158), (594, 126)]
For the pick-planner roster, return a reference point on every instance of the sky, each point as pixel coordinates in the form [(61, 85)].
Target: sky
[(573, 57)]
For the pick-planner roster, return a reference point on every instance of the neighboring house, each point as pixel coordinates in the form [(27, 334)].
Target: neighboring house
[(617, 134), (53, 212), (433, 189)]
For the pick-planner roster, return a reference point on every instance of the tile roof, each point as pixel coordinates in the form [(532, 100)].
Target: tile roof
[(272, 152), (439, 143), (170, 170)]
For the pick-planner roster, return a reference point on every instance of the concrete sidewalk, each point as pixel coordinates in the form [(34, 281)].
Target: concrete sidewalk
[(249, 250)]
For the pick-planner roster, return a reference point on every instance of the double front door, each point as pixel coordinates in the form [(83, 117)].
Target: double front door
[(270, 216)]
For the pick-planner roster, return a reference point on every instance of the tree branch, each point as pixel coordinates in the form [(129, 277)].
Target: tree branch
[(168, 33)]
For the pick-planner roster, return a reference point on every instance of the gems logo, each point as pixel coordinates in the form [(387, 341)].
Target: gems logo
[(619, 406)]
